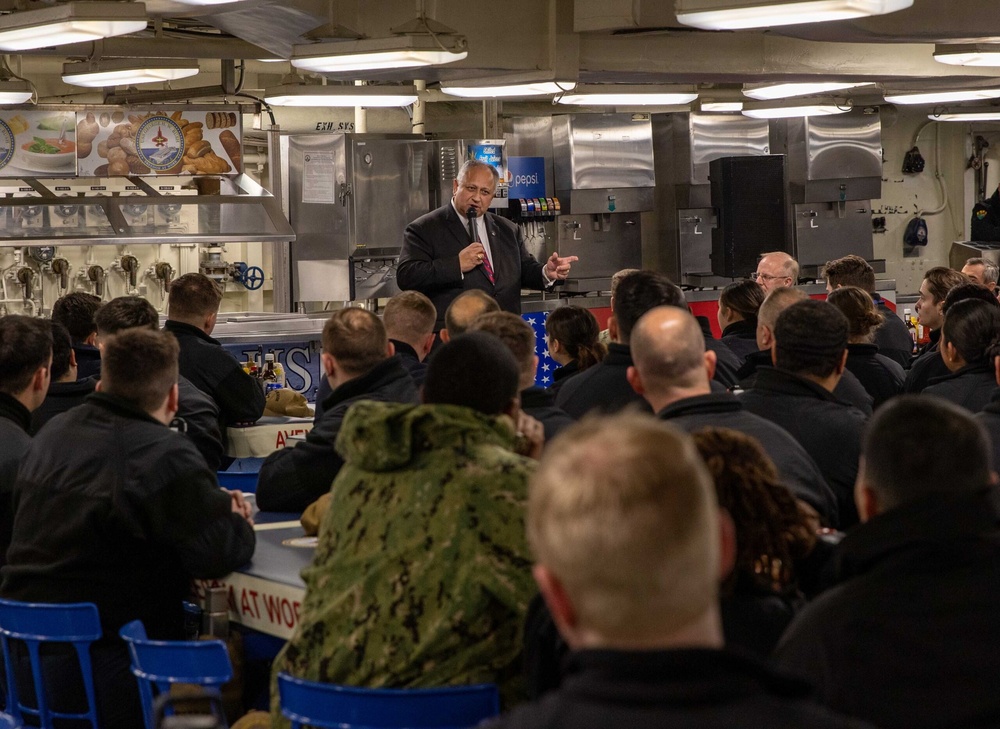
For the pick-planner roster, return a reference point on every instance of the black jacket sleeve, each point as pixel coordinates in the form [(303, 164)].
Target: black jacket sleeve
[(193, 517), (240, 397), (293, 478), (421, 265)]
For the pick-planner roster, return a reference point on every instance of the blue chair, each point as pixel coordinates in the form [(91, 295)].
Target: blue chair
[(329, 706), (33, 624), (158, 663)]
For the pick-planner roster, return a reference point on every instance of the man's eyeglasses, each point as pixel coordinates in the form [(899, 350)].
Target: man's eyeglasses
[(473, 189), (766, 277)]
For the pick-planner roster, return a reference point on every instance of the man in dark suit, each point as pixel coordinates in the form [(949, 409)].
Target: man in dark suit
[(460, 246)]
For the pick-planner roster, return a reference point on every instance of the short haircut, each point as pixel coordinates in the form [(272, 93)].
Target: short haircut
[(575, 328), (126, 312), (514, 332), (672, 359), (617, 277), (622, 511), (941, 280), (772, 533), (356, 338), (810, 338), (850, 271), (140, 366), (638, 293), (193, 295), (966, 291), (776, 302), (76, 311), (857, 306), (991, 273), (62, 348), (744, 298), (475, 370), (408, 316), (972, 327), (789, 266), (474, 164), (465, 308), (25, 346), (920, 446)]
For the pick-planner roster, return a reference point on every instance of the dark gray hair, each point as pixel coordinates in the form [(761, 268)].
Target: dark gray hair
[(991, 273), (473, 164)]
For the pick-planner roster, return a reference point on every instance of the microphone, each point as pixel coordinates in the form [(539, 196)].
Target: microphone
[(471, 215)]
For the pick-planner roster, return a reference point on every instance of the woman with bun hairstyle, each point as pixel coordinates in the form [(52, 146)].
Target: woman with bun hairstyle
[(572, 334), (738, 305), (881, 376), (970, 342)]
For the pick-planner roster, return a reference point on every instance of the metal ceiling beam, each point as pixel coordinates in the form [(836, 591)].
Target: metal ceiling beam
[(191, 46)]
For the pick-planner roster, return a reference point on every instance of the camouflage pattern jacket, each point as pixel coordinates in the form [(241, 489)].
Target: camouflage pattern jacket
[(422, 575)]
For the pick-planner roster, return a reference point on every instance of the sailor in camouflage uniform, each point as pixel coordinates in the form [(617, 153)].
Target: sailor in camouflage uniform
[(422, 574)]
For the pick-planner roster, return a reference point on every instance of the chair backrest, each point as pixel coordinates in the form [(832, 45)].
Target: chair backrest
[(158, 663), (309, 703), (76, 624)]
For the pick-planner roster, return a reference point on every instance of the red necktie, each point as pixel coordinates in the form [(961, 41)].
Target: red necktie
[(486, 260)]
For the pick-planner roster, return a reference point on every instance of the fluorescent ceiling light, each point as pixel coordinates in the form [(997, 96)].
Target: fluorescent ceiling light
[(940, 97), (15, 91), (310, 95), (789, 108), (621, 95), (536, 88), (72, 22), (737, 14), (721, 106), (785, 91), (967, 115), (121, 71), (375, 54), (968, 54)]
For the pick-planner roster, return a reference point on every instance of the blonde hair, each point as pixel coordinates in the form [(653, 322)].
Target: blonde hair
[(776, 302), (622, 510)]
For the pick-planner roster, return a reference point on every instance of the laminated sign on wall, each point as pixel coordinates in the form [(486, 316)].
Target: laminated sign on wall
[(112, 142)]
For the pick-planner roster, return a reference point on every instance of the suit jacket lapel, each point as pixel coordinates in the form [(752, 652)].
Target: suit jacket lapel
[(456, 227)]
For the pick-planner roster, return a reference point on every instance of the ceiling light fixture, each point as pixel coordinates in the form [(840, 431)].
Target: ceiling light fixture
[(71, 22), (122, 71), (535, 88), (968, 54), (789, 90), (420, 42), (312, 95), (740, 14), (940, 97), (15, 91), (622, 95), (966, 115), (789, 108), (720, 106)]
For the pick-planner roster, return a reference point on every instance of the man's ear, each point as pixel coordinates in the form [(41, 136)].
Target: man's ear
[(328, 363), (173, 399), (210, 321), (559, 604), (711, 360), (613, 328), (635, 380), (842, 365), (445, 336), (727, 545), (91, 339), (72, 358), (426, 346), (764, 336), (774, 352), (40, 380), (390, 349), (996, 374)]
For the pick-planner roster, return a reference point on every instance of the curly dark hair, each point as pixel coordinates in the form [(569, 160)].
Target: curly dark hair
[(772, 532)]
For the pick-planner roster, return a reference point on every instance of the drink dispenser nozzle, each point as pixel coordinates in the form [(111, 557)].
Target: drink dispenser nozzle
[(26, 277), (61, 268), (96, 275)]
